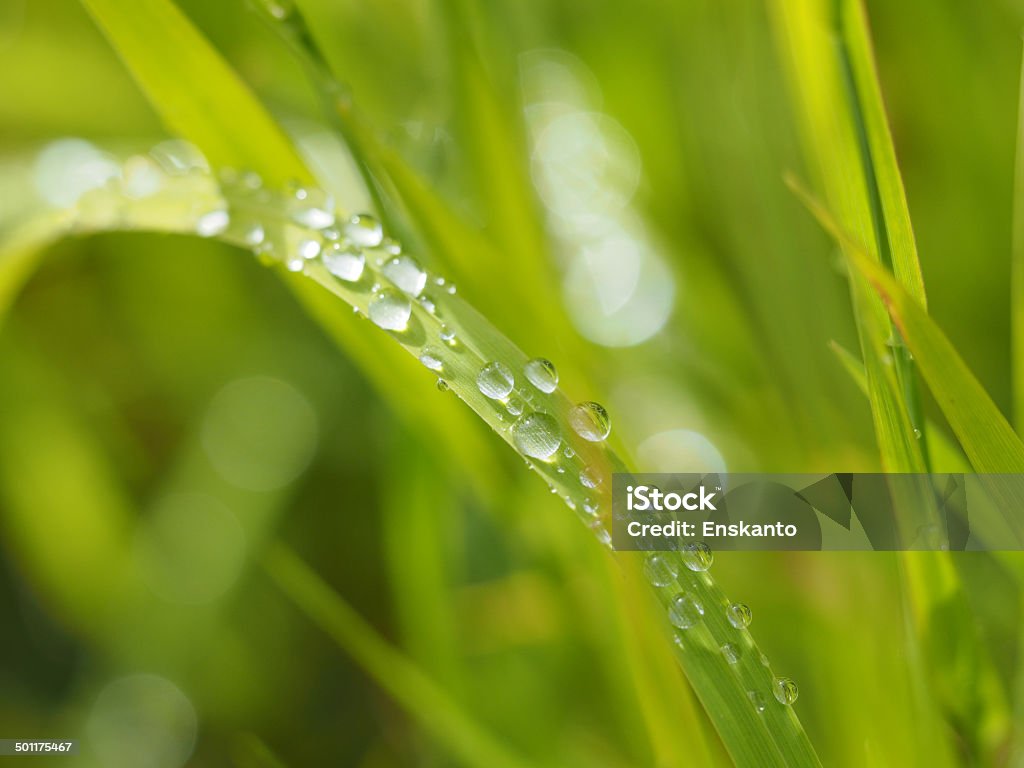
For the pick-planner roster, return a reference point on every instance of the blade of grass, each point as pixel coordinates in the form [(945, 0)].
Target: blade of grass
[(1017, 272), (394, 672)]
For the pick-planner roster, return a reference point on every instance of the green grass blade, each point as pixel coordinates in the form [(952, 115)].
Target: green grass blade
[(196, 93), (402, 679), (1017, 273)]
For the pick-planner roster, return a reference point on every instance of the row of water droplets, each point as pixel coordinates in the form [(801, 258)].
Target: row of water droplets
[(686, 611)]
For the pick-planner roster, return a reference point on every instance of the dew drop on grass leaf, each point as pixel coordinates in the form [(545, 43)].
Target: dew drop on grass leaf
[(495, 381), (697, 556), (739, 615), (344, 261), (447, 335), (591, 421), (587, 477), (785, 690), (536, 434), (442, 385), (313, 208), (731, 653), (254, 234), (390, 310), (515, 407), (364, 230), (542, 374), (685, 611), (659, 570), (309, 249), (407, 275), (431, 358), (757, 700)]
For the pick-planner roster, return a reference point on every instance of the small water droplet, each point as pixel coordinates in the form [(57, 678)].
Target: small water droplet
[(364, 230), (697, 556), (731, 653), (451, 289), (213, 223), (295, 264), (757, 700), (590, 506), (439, 280), (448, 336), (344, 261), (431, 358), (659, 570), (917, 433), (785, 690), (739, 615), (685, 611), (308, 249), (536, 434), (542, 374), (406, 274), (278, 9), (495, 380), (313, 208), (568, 452), (442, 385), (514, 406), (331, 234), (588, 479), (390, 310), (590, 421)]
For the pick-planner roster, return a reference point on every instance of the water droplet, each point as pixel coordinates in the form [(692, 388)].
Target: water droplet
[(757, 700), (448, 336), (313, 208), (451, 289), (407, 275), (514, 406), (331, 234), (731, 653), (254, 234), (917, 433), (685, 611), (279, 9), (785, 690), (542, 374), (568, 452), (390, 310), (697, 556), (344, 262), (431, 359), (392, 247), (588, 479), (364, 230), (764, 661), (495, 380), (739, 615), (591, 421), (536, 434), (295, 264), (428, 304), (659, 570), (213, 223), (590, 506), (442, 385), (308, 249)]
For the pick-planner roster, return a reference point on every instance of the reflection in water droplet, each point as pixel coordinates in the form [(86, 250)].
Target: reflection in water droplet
[(344, 262), (785, 690), (390, 310), (536, 434), (590, 421), (739, 615), (697, 556), (406, 274), (495, 380), (542, 374)]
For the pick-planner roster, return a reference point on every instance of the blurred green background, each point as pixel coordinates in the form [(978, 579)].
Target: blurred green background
[(167, 408)]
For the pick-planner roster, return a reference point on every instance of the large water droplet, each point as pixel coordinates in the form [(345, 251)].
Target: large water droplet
[(731, 653), (364, 230), (213, 223), (431, 358), (390, 310), (542, 374), (344, 262), (697, 556), (591, 421), (785, 690), (536, 434), (313, 208), (406, 273), (659, 570), (495, 380), (685, 611), (739, 615)]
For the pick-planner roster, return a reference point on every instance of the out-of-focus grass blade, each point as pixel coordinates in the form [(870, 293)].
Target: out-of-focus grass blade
[(1017, 273), (987, 438), (395, 673), (196, 93)]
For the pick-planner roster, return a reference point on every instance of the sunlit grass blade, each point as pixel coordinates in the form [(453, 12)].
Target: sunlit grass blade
[(403, 680), (1017, 273)]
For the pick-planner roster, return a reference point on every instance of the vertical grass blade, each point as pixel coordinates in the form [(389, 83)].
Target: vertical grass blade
[(1017, 272)]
